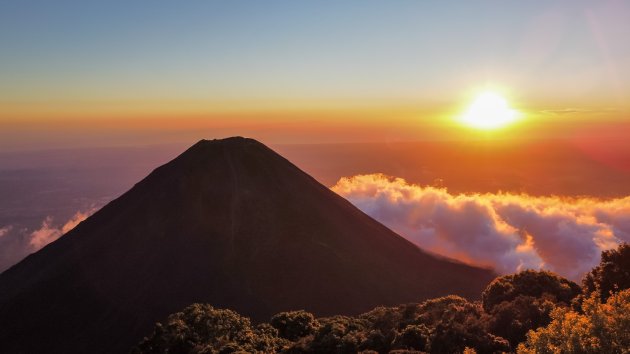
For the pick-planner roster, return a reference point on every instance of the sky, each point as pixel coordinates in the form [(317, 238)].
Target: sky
[(77, 73), (100, 85)]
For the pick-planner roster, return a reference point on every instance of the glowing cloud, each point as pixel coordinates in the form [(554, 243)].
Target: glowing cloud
[(47, 233), (506, 231), (17, 242), (4, 230)]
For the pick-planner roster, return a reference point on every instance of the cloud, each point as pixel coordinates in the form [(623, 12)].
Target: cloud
[(565, 111), (5, 230), (16, 243), (47, 233), (509, 232)]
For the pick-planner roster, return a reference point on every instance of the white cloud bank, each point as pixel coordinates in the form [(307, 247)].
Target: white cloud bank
[(509, 232)]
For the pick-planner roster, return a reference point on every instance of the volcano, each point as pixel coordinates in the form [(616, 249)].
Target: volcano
[(230, 223)]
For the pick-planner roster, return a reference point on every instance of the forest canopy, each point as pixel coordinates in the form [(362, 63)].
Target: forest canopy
[(527, 312)]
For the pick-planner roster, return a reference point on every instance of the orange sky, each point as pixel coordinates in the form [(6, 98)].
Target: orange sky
[(296, 72), (103, 124)]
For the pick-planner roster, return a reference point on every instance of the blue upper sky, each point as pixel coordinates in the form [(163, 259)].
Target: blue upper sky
[(311, 50)]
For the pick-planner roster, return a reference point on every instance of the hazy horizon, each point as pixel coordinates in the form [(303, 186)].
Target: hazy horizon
[(112, 74), (493, 133), (49, 192)]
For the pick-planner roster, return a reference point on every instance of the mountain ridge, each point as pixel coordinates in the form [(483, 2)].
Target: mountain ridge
[(228, 222)]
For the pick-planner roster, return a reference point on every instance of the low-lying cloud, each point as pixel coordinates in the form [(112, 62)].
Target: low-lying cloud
[(48, 233), (509, 232), (4, 231), (17, 243)]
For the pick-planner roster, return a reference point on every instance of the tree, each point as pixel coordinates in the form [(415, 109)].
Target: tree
[(339, 334), (455, 324), (384, 319), (377, 341), (517, 303), (432, 312), (513, 319), (414, 337), (294, 324), (385, 323), (597, 328), (529, 283), (611, 275), (201, 328)]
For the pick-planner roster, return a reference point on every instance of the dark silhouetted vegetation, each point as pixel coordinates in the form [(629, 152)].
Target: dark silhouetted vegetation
[(203, 329), (528, 312), (536, 284), (520, 302), (611, 275), (294, 324)]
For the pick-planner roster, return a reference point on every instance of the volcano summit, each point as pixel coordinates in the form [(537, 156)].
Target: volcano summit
[(230, 223)]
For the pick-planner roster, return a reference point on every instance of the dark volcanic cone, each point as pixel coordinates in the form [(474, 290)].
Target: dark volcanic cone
[(230, 223)]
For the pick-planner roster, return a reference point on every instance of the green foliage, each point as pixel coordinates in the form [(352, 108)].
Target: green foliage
[(435, 311), (384, 319), (339, 334), (611, 275), (201, 328), (294, 324), (513, 319), (537, 284), (515, 308), (378, 342), (443, 325), (385, 324), (413, 337), (597, 328), (517, 303), (457, 324)]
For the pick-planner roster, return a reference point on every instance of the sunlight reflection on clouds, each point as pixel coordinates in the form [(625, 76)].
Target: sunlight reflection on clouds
[(509, 232)]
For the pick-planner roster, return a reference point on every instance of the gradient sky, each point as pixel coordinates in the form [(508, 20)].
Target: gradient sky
[(313, 70)]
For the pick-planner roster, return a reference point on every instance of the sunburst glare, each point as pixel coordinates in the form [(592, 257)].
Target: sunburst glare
[(489, 110)]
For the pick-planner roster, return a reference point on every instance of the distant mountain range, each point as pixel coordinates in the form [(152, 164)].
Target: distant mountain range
[(230, 223)]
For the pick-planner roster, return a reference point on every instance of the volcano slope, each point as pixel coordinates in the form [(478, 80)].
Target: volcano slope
[(230, 223)]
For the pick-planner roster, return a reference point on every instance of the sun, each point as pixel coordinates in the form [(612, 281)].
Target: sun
[(489, 111)]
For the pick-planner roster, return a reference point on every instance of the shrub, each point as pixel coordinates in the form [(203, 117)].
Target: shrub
[(598, 328)]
